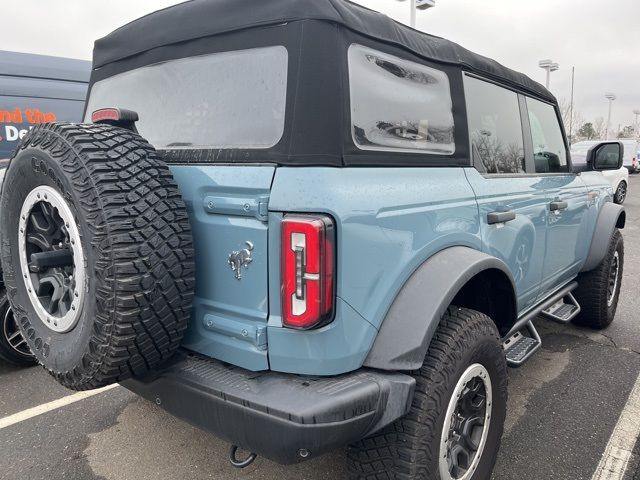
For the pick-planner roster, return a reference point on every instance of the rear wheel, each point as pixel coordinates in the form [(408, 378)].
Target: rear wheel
[(96, 253), (598, 290), (455, 424), (13, 346)]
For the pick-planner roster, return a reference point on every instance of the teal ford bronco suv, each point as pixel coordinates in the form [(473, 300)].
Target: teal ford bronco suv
[(300, 225)]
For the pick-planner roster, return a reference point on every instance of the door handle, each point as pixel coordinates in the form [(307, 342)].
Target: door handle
[(500, 217), (556, 206)]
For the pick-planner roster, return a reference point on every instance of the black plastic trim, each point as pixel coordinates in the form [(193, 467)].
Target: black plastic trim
[(274, 414), (410, 323), (608, 221)]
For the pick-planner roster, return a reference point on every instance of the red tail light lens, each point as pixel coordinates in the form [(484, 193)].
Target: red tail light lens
[(308, 255), (114, 116), (104, 114)]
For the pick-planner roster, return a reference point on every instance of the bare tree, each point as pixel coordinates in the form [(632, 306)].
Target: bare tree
[(600, 128), (496, 156), (626, 132), (568, 116)]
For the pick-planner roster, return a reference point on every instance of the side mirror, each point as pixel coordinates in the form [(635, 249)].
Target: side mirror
[(605, 156)]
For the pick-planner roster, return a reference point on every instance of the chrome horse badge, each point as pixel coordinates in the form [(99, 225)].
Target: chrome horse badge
[(240, 258)]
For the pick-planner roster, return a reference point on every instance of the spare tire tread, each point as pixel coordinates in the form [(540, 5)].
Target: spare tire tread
[(142, 241)]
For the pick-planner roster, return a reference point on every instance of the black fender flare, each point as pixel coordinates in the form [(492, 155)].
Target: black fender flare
[(414, 315), (611, 216)]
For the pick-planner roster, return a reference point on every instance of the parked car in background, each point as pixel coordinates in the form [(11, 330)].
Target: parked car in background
[(13, 346), (34, 89), (618, 178), (631, 154), (37, 89)]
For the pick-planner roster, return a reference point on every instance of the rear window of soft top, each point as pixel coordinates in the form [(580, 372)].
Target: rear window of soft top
[(217, 101)]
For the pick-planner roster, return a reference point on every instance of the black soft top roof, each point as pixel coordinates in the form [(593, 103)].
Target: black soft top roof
[(203, 18)]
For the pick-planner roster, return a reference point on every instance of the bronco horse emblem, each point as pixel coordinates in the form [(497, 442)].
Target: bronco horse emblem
[(240, 258)]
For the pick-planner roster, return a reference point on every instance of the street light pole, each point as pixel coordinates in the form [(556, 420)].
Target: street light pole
[(413, 13), (636, 125), (573, 76), (418, 5), (549, 66), (611, 97)]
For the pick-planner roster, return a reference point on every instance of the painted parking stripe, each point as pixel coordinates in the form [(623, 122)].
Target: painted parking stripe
[(47, 407), (615, 459)]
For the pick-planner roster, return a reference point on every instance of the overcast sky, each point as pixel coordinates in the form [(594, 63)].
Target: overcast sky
[(601, 38)]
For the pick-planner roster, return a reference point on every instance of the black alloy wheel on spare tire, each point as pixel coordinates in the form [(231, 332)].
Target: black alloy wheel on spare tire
[(96, 252)]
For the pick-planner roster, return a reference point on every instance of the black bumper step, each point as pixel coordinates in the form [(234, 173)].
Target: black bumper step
[(280, 416)]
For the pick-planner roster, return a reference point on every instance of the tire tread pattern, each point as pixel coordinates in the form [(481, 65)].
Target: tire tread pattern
[(141, 239), (591, 293), (404, 450)]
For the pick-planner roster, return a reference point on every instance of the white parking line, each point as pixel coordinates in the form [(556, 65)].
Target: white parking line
[(47, 407), (615, 459)]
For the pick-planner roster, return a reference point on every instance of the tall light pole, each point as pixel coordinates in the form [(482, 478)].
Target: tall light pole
[(636, 125), (549, 66), (418, 5), (573, 77), (611, 97)]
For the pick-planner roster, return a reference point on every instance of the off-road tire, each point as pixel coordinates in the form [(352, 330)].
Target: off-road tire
[(136, 240), (409, 448), (621, 193), (592, 294), (7, 352)]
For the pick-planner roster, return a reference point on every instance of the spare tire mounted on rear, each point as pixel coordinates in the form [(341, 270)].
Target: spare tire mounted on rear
[(96, 252)]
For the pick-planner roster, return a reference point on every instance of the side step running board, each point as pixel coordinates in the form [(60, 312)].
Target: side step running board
[(563, 311), (534, 312), (523, 339), (520, 346)]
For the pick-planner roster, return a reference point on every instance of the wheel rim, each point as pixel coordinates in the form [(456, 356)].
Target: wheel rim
[(466, 425), (54, 281), (622, 192), (614, 273), (12, 335)]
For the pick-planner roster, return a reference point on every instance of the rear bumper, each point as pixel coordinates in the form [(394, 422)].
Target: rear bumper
[(273, 414)]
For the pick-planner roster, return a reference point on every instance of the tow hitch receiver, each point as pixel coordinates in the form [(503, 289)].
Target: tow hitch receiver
[(240, 463)]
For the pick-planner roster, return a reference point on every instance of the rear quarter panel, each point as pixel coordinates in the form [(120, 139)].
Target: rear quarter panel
[(388, 221)]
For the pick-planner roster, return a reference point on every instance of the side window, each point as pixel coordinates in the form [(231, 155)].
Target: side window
[(494, 126), (398, 105), (549, 151)]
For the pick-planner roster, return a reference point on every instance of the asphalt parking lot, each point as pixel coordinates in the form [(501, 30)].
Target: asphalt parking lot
[(564, 406)]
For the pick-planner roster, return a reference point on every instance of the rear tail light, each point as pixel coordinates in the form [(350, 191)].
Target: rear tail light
[(308, 256)]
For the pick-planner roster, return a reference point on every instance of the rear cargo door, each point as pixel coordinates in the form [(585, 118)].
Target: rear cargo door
[(228, 212)]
